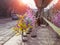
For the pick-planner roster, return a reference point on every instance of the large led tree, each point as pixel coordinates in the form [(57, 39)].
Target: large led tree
[(41, 4)]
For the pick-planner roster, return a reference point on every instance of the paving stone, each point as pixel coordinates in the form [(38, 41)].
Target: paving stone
[(45, 36)]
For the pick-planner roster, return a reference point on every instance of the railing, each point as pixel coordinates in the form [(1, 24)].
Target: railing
[(55, 28)]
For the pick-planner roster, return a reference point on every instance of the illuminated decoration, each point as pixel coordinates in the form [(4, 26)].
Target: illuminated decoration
[(30, 15), (25, 1), (57, 6), (19, 7), (51, 5), (56, 19), (21, 24), (30, 3), (26, 19), (25, 22)]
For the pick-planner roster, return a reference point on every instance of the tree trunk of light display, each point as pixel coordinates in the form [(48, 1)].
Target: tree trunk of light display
[(41, 4), (41, 14)]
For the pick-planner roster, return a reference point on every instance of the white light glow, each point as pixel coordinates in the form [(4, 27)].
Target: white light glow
[(51, 4), (30, 3), (25, 1)]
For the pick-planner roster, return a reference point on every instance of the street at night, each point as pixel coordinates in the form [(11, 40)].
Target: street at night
[(45, 36), (30, 22)]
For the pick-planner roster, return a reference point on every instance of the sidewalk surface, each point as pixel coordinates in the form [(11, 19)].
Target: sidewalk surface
[(45, 36)]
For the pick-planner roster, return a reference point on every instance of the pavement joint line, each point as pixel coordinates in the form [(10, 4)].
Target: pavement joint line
[(14, 38), (10, 36)]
